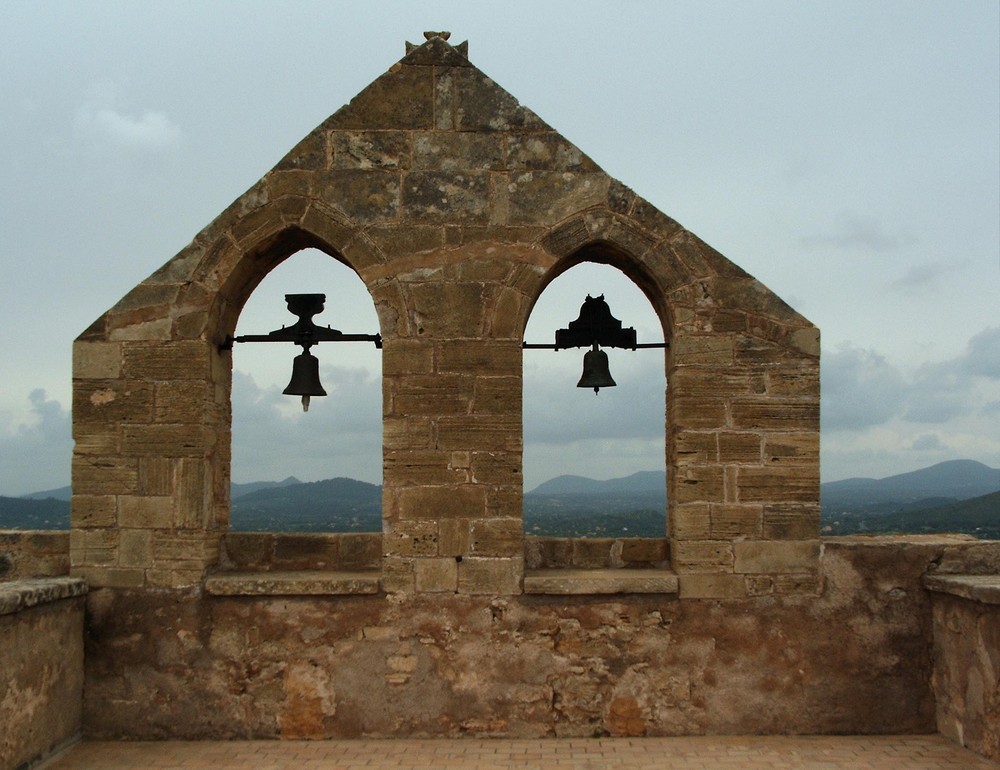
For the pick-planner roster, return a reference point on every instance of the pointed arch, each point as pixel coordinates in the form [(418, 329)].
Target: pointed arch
[(605, 246), (235, 263)]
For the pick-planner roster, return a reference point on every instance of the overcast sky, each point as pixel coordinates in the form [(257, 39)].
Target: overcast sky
[(846, 154)]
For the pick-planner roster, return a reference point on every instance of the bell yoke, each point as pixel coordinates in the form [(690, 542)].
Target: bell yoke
[(305, 368), (595, 327)]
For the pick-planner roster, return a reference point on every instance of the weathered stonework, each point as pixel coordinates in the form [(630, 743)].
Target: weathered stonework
[(26, 554), (455, 205), (41, 667), (853, 654), (966, 677), (294, 639)]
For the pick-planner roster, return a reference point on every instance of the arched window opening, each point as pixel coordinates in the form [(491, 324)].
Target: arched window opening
[(315, 471), (594, 465)]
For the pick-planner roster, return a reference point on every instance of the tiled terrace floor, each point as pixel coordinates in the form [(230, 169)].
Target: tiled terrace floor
[(907, 752)]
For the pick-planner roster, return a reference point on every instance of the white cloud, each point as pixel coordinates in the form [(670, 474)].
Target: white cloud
[(340, 435), (860, 389), (982, 356), (874, 415), (151, 129), (35, 455), (938, 392), (927, 442), (855, 231), (99, 117), (919, 276)]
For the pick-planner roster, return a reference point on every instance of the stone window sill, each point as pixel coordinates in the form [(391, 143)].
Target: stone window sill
[(599, 581), (19, 595), (978, 588), (300, 583)]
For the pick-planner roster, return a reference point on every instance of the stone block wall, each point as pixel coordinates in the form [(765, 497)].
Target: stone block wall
[(271, 551), (28, 554), (456, 206), (150, 465)]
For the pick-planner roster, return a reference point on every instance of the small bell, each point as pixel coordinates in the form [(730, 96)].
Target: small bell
[(596, 374), (305, 379)]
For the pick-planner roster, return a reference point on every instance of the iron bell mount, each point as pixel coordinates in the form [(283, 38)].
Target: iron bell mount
[(304, 333), (596, 327)]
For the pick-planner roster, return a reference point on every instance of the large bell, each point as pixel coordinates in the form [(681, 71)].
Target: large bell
[(305, 379), (596, 374)]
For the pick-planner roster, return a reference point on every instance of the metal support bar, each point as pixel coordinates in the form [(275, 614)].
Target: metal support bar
[(304, 332), (340, 337), (534, 346)]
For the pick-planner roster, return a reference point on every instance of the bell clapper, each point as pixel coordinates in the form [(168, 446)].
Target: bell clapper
[(305, 403)]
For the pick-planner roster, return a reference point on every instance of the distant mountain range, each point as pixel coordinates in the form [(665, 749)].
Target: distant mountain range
[(341, 505), (978, 516), (239, 490), (62, 493), (643, 481), (28, 513), (955, 496), (576, 506), (954, 480)]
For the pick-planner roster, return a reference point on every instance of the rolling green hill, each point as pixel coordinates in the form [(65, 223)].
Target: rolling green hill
[(953, 480), (978, 516), (334, 505), (958, 496), (28, 513)]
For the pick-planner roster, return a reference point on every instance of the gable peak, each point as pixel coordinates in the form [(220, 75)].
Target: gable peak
[(437, 50)]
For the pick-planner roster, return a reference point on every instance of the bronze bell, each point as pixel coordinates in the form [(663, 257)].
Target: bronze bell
[(305, 379), (596, 374)]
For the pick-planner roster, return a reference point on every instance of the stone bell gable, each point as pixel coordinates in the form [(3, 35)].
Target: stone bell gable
[(456, 206)]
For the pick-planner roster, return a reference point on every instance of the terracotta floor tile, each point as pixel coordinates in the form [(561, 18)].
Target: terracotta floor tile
[(931, 752)]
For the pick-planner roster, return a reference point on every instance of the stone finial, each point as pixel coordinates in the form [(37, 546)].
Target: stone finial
[(437, 50)]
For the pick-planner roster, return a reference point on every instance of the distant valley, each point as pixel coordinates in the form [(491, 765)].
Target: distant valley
[(955, 496)]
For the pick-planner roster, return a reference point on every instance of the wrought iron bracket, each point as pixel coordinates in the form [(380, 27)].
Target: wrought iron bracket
[(637, 346), (303, 332), (595, 326)]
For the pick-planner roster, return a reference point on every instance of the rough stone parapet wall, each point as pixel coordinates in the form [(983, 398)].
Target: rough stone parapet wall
[(456, 206), (28, 554), (856, 658), (266, 551), (41, 667), (965, 587)]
